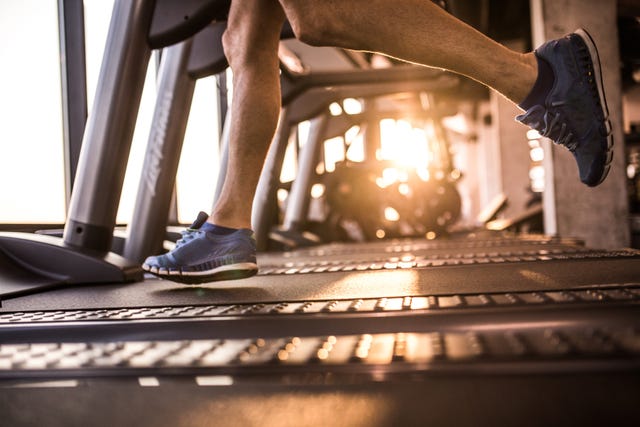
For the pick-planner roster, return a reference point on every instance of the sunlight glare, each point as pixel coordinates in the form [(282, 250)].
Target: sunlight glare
[(333, 153), (406, 146), (390, 214), (335, 109), (317, 190), (352, 106)]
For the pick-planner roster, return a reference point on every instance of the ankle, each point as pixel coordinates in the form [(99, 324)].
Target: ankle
[(514, 76), (229, 221), (217, 229), (541, 87)]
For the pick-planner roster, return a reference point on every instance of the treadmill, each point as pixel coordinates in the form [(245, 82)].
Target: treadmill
[(481, 327)]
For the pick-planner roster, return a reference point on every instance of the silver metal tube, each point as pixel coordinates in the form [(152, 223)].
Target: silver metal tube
[(224, 156), (298, 203), (175, 92), (110, 126), (265, 200)]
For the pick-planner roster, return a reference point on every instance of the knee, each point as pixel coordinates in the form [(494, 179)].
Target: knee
[(314, 24), (235, 46), (251, 38)]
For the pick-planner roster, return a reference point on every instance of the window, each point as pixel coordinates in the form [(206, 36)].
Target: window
[(31, 151), (31, 140)]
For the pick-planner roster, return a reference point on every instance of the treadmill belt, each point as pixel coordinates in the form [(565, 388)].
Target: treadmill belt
[(409, 260), (304, 275), (519, 328), (446, 248)]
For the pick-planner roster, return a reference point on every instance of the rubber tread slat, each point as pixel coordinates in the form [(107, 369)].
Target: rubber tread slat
[(613, 293), (405, 351)]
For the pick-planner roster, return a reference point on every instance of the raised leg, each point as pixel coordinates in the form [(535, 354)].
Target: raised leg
[(560, 85), (416, 31)]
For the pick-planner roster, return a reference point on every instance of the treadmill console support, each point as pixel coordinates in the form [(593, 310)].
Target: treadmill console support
[(137, 27)]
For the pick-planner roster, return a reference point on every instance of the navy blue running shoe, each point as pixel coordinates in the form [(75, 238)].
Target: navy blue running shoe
[(575, 112), (201, 256)]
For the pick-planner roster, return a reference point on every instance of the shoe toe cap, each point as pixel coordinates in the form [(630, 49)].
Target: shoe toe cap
[(155, 263), (592, 165)]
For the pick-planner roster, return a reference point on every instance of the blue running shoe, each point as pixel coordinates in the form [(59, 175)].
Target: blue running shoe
[(201, 256), (575, 113)]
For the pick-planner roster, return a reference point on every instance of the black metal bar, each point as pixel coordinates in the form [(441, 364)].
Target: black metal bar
[(74, 84)]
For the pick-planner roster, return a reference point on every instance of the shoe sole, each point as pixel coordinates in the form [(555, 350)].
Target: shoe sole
[(595, 58), (225, 272)]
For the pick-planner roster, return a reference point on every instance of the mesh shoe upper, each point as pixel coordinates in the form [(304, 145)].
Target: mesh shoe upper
[(575, 112), (201, 251), (201, 256)]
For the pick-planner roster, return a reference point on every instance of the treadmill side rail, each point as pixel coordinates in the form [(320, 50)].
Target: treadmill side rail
[(50, 257)]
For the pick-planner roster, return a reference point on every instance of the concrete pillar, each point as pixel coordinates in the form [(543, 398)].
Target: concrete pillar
[(503, 160), (514, 150), (489, 158), (597, 215), (514, 156)]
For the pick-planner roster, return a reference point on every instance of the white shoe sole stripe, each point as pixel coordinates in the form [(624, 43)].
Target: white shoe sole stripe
[(593, 50), (245, 266)]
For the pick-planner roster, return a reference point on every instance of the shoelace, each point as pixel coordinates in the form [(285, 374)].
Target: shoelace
[(187, 235), (559, 128)]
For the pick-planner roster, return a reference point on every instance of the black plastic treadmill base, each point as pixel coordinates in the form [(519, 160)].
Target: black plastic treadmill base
[(33, 262), (15, 280)]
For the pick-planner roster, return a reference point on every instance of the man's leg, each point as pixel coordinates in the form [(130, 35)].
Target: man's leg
[(221, 246), (417, 31), (251, 46), (559, 86)]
